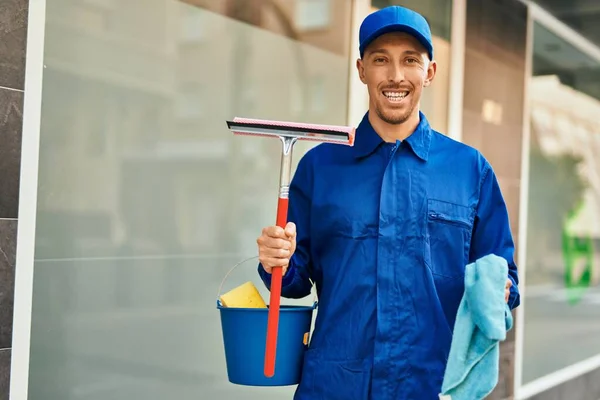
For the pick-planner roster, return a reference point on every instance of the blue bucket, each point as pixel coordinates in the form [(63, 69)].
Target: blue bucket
[(244, 339)]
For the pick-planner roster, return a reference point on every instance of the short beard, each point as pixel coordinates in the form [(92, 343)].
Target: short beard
[(396, 119)]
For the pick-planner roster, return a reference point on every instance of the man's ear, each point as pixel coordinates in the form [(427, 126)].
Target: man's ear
[(431, 70), (361, 70)]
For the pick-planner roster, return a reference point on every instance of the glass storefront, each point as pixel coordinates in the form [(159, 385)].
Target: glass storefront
[(582, 16), (145, 199), (562, 317)]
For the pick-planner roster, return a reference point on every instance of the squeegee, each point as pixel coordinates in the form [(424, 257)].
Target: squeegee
[(289, 133)]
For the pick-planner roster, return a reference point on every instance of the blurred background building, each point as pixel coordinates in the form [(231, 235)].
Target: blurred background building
[(124, 199)]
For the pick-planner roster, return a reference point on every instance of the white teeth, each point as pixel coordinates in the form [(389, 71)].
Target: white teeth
[(395, 96)]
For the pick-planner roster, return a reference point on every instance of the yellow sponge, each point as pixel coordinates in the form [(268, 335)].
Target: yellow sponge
[(243, 296)]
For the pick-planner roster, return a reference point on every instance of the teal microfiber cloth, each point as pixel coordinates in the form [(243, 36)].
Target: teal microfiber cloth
[(482, 321)]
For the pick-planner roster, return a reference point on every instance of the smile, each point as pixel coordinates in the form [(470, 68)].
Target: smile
[(395, 96)]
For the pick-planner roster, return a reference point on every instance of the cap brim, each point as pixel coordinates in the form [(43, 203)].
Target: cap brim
[(397, 28)]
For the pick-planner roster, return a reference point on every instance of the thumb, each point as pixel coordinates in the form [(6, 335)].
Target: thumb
[(290, 229)]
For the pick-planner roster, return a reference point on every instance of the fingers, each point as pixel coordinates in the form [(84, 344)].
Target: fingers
[(507, 290), (269, 263), (276, 246), (290, 230), (273, 232)]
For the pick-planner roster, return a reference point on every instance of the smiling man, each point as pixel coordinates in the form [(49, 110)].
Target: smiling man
[(385, 230)]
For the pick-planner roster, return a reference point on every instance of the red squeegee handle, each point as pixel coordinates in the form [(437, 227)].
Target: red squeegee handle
[(275, 301)]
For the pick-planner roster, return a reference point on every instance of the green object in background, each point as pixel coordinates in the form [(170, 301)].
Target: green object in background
[(578, 254)]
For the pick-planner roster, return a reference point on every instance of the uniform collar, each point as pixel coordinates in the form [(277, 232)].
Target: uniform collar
[(367, 140)]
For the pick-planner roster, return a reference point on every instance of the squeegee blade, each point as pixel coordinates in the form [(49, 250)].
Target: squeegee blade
[(300, 131)]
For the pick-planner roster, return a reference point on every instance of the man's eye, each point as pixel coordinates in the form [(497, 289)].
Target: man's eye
[(412, 60), (379, 59)]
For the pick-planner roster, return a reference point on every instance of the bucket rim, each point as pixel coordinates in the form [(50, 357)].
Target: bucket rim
[(282, 308)]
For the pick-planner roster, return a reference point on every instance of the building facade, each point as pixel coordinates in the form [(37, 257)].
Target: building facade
[(124, 199)]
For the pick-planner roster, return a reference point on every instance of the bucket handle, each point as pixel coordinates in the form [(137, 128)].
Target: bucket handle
[(315, 302)]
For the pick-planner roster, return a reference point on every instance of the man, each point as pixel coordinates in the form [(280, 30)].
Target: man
[(385, 230)]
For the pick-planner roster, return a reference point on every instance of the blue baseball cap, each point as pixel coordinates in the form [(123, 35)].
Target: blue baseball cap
[(395, 19)]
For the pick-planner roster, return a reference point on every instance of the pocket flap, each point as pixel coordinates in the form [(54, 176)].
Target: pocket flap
[(443, 211)]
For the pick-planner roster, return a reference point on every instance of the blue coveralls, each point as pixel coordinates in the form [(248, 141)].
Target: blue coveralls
[(385, 231)]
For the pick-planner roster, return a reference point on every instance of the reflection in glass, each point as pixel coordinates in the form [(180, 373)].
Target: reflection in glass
[(563, 252), (146, 199), (581, 16)]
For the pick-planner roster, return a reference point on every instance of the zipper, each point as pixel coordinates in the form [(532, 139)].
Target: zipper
[(443, 218)]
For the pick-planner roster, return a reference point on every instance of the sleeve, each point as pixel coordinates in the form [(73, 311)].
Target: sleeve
[(492, 232), (296, 282)]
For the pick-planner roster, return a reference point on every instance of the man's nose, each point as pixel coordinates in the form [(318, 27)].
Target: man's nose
[(396, 73)]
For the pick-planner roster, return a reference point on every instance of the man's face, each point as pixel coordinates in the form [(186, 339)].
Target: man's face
[(395, 67)]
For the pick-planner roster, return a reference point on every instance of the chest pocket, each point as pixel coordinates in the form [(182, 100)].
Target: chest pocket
[(448, 237)]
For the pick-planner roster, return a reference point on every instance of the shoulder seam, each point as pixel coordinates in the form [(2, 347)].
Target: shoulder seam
[(486, 171)]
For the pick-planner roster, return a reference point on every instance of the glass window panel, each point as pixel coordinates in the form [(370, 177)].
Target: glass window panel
[(145, 198), (580, 15), (563, 234), (313, 14)]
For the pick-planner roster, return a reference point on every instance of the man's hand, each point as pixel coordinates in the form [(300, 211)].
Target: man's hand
[(276, 246), (507, 290)]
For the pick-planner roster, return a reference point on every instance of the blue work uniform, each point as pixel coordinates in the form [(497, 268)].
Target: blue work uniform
[(385, 231)]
